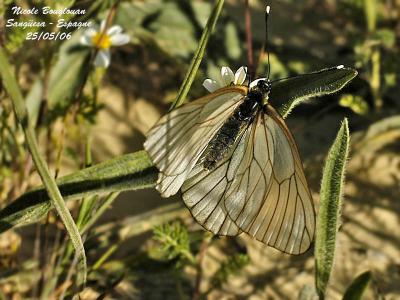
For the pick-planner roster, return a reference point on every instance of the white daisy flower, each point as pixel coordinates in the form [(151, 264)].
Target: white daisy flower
[(227, 78), (94, 37)]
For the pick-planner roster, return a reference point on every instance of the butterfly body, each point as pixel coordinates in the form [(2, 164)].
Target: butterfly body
[(221, 144)]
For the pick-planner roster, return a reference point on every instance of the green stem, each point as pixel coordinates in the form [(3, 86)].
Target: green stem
[(57, 201)]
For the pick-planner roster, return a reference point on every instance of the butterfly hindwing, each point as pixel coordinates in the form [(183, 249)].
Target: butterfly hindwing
[(203, 193)]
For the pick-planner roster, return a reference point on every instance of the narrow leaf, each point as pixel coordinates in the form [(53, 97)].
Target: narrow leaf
[(123, 173), (330, 204), (357, 288), (196, 60), (288, 93)]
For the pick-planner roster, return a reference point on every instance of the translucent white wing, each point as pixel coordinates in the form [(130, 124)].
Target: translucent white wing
[(204, 191), (267, 195), (177, 141)]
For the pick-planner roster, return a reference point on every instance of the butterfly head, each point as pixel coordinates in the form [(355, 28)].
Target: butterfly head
[(261, 87)]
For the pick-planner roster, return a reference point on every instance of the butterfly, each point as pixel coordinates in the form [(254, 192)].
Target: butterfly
[(237, 166)]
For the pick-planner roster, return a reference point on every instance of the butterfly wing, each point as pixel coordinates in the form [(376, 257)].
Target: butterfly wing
[(267, 195), (177, 141), (204, 191)]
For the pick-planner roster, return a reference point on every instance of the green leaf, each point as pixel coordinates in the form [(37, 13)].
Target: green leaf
[(68, 73), (128, 172), (328, 219), (357, 288), (288, 93)]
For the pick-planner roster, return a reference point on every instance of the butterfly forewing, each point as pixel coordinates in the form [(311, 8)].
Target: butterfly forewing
[(177, 141)]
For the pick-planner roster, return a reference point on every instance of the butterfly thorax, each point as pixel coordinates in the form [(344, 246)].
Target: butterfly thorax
[(230, 132)]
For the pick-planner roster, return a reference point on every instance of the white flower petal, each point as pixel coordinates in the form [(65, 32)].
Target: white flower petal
[(114, 30), (211, 85), (227, 75), (254, 82), (102, 59), (240, 75), (119, 39), (86, 40)]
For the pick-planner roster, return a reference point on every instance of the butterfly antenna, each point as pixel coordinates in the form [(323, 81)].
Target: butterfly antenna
[(267, 10)]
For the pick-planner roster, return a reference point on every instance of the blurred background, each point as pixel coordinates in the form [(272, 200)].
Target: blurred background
[(121, 103)]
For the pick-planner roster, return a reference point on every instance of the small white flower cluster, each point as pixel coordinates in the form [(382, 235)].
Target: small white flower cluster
[(228, 78), (96, 37)]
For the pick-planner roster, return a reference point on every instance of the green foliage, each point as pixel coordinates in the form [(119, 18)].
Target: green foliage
[(355, 103), (232, 266), (68, 73), (17, 37), (128, 172), (174, 239), (328, 219), (357, 288), (11, 85)]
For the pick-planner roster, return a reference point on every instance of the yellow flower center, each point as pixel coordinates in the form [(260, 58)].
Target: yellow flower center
[(101, 40)]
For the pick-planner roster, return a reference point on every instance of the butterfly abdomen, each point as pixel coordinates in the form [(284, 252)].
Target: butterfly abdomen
[(221, 144)]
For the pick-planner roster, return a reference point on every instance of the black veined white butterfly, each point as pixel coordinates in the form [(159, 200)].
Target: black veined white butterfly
[(237, 165)]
